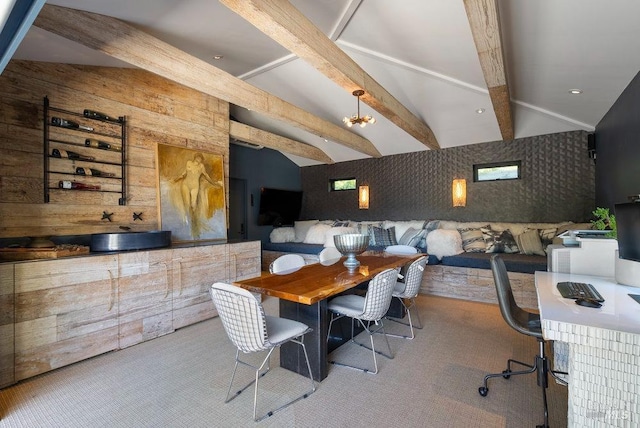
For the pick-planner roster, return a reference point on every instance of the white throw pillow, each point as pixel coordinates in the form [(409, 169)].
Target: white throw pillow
[(302, 227), (316, 233), (444, 242), (329, 234), (282, 234)]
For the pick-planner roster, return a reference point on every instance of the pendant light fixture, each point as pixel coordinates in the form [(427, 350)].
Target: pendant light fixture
[(356, 119)]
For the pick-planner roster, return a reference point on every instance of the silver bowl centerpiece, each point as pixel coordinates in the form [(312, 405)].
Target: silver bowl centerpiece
[(351, 244)]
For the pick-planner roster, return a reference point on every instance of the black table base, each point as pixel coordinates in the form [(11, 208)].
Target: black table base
[(316, 316)]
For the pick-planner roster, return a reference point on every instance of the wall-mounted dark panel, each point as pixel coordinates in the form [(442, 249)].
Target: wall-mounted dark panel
[(261, 168), (617, 139), (558, 183)]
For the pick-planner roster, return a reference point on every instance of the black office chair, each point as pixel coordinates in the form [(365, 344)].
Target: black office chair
[(524, 322)]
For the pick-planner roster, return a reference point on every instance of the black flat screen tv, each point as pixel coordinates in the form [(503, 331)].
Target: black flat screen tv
[(628, 222), (279, 207)]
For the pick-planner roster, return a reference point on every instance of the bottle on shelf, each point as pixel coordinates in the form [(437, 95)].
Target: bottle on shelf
[(94, 172), (66, 184), (91, 142), (92, 114), (67, 154), (65, 123)]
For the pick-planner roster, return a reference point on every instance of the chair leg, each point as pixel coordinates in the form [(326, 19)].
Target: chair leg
[(379, 330), (235, 368), (259, 373), (540, 367), (410, 324), (305, 395), (484, 389), (543, 383), (335, 317), (372, 348)]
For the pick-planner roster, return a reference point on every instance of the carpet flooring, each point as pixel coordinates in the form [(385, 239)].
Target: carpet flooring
[(180, 380)]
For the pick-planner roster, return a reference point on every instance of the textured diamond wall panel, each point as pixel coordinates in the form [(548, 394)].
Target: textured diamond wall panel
[(557, 183)]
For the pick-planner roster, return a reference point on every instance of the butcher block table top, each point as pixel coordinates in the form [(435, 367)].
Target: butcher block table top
[(18, 254), (315, 282)]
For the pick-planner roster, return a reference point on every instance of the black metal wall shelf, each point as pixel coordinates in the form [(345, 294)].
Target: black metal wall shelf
[(109, 127)]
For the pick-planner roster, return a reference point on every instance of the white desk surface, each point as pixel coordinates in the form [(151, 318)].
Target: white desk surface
[(619, 312)]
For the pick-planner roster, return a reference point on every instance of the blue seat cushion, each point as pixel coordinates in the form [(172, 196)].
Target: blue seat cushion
[(293, 247), (522, 263), (301, 248)]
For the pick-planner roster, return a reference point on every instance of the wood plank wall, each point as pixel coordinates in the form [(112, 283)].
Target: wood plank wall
[(157, 110)]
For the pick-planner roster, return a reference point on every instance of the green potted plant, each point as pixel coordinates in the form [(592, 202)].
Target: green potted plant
[(605, 221)]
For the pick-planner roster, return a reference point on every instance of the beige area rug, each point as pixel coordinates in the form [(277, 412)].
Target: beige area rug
[(180, 380)]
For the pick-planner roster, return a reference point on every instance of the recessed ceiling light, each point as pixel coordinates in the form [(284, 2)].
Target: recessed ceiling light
[(480, 111), (217, 57), (575, 91)]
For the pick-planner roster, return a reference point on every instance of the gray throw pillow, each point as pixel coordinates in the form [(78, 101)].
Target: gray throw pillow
[(384, 237), (472, 240), (529, 242), (499, 242), (412, 237)]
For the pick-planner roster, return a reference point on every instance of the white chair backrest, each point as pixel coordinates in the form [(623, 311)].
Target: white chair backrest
[(400, 249), (413, 277), (378, 297), (287, 264), (329, 256), (242, 317)]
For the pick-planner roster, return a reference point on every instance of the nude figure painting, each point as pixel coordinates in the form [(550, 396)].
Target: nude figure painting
[(192, 197)]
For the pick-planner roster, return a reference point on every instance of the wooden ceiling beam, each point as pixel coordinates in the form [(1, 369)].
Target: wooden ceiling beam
[(127, 43), (286, 25), (249, 134), (485, 27)]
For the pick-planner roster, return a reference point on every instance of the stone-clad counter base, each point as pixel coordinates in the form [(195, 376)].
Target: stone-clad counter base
[(604, 373)]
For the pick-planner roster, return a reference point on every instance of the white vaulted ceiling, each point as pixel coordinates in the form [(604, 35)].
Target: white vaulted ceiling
[(421, 51)]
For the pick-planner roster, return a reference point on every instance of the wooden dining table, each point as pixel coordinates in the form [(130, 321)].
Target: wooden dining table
[(303, 295)]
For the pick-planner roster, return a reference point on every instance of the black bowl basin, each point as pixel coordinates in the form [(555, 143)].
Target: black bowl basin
[(123, 241)]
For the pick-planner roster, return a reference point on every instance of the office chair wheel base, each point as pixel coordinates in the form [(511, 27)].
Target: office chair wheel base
[(506, 374), (483, 390)]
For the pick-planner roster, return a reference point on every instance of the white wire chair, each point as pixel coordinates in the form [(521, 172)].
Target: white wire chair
[(408, 288), (287, 263), (329, 256), (366, 309), (251, 330)]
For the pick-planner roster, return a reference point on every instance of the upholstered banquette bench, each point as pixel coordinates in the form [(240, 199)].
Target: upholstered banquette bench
[(459, 252)]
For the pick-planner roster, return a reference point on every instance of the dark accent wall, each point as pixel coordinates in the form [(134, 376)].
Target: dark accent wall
[(557, 183), (261, 168), (617, 139)]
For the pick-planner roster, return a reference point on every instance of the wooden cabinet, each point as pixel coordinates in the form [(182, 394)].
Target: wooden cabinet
[(244, 260), (66, 310), (194, 270), (6, 325), (145, 296)]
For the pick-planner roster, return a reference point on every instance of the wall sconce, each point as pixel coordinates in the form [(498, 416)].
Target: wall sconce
[(363, 197), (459, 192)]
